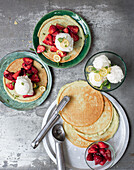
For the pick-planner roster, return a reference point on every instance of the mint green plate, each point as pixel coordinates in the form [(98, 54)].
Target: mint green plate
[(4, 98), (85, 48)]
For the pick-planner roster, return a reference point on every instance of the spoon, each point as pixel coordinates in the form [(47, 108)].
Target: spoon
[(59, 137)]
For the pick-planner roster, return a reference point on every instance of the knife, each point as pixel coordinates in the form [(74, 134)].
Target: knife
[(55, 116)]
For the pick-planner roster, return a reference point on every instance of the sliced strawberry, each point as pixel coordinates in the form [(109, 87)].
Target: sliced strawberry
[(9, 76), (52, 29), (108, 155), (53, 49), (54, 39), (25, 96), (15, 75), (74, 36), (60, 27), (73, 29), (48, 40), (27, 61), (97, 159), (26, 67), (34, 70), (66, 30), (6, 72), (62, 53), (102, 145), (90, 157), (14, 81), (92, 150), (23, 72), (103, 161), (35, 78), (10, 85), (102, 151), (41, 49), (55, 33), (29, 71), (95, 146)]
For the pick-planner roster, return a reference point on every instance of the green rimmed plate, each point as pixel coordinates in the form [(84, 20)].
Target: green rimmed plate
[(85, 48), (4, 98)]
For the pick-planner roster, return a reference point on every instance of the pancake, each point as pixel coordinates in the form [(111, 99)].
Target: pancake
[(16, 66), (108, 134), (64, 20), (85, 106), (72, 136), (102, 124)]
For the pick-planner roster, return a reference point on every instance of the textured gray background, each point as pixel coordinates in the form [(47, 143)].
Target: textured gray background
[(112, 26)]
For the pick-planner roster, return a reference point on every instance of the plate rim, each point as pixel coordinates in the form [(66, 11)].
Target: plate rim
[(116, 104), (73, 62), (34, 55)]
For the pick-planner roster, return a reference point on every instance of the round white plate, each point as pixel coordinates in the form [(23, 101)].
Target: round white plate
[(74, 156)]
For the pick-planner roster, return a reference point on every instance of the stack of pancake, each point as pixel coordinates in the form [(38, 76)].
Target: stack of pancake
[(89, 116)]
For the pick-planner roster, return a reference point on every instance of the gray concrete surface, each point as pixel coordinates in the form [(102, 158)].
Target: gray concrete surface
[(112, 26)]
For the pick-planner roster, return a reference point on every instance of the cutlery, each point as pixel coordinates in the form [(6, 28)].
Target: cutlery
[(59, 137), (55, 116)]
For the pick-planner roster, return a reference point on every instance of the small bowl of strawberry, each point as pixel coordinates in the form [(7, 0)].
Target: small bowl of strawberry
[(99, 155)]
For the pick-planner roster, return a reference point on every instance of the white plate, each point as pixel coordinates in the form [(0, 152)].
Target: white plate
[(74, 156)]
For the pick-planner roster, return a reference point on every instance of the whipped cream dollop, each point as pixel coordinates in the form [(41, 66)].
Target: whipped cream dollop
[(92, 80), (24, 86), (101, 61), (116, 74), (64, 42)]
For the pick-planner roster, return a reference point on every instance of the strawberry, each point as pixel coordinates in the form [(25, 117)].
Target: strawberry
[(25, 96), (92, 150), (62, 53), (15, 75), (95, 146), (26, 67), (40, 49), (34, 70), (54, 39), (103, 161), (108, 155), (48, 40), (6, 72), (90, 157), (74, 36), (29, 71), (55, 33), (97, 159), (102, 145), (10, 85), (9, 75), (60, 27), (102, 151), (27, 61), (52, 29), (66, 30), (35, 78), (73, 29), (14, 81), (53, 49), (23, 72)]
